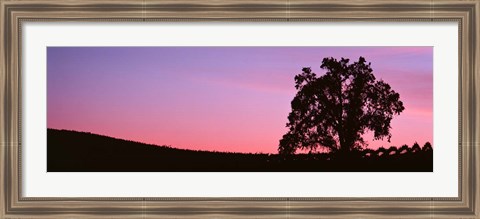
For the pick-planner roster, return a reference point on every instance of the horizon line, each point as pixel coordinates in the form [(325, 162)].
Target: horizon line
[(227, 152)]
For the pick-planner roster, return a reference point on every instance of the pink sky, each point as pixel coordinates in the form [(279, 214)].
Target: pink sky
[(216, 98)]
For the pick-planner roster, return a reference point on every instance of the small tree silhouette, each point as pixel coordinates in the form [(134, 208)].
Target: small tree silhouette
[(334, 110)]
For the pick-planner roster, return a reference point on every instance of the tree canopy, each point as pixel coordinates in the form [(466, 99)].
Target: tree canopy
[(334, 110)]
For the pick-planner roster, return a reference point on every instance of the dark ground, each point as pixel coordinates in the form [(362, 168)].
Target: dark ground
[(71, 151)]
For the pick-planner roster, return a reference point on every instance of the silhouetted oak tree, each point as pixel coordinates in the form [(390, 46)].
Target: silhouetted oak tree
[(334, 110)]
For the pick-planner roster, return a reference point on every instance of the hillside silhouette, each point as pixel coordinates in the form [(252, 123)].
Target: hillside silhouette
[(72, 151)]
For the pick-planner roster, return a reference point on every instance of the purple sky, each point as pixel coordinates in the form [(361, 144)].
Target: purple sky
[(216, 98)]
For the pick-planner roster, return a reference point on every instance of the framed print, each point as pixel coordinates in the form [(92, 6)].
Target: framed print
[(234, 109), (238, 115)]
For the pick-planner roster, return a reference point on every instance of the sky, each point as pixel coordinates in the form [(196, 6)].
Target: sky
[(233, 99)]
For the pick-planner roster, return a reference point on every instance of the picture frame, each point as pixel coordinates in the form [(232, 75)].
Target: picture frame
[(13, 14)]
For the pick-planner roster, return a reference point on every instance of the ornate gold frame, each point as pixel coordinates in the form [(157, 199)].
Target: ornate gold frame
[(14, 12)]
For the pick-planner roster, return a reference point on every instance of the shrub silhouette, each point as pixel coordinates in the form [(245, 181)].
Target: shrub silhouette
[(381, 152), (392, 150), (334, 110), (396, 152), (427, 147), (416, 147), (404, 149), (369, 153)]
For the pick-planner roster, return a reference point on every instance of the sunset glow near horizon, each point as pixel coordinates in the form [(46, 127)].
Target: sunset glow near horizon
[(233, 99)]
